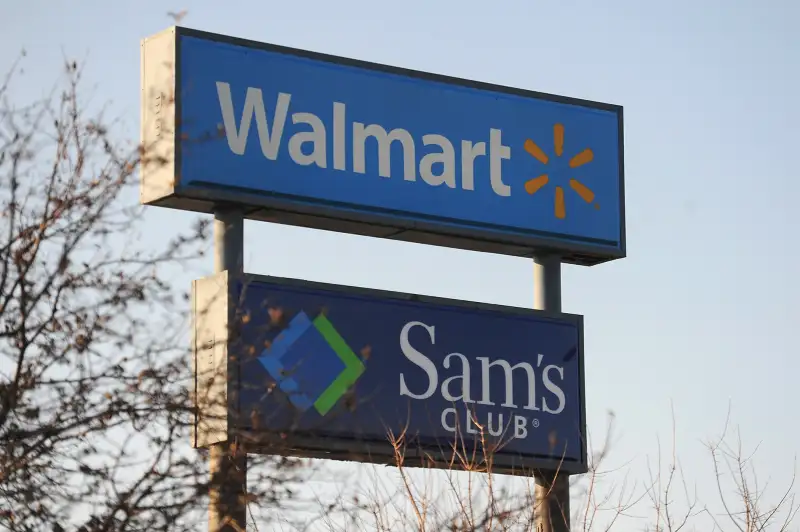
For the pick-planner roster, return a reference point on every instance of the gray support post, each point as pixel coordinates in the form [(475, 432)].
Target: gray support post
[(227, 510), (551, 496)]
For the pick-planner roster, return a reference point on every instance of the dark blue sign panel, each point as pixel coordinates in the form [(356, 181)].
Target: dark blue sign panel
[(316, 134), (351, 365)]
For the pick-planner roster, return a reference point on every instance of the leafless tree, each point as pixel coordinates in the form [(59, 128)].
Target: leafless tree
[(94, 400), (745, 503), (95, 404), (469, 497)]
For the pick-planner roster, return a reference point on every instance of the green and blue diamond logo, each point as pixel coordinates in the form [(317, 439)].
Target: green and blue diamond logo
[(312, 363)]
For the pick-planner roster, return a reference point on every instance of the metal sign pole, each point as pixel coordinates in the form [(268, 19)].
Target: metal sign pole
[(227, 511), (551, 496)]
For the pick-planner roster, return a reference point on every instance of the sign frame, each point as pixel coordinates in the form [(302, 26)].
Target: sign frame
[(161, 181), (218, 294)]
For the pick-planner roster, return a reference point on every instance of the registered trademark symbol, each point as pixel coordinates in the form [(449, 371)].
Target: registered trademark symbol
[(536, 423)]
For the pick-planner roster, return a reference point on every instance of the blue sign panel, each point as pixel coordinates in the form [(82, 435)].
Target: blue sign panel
[(352, 366), (426, 154)]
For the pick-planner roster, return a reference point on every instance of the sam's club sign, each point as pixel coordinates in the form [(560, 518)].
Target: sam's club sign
[(344, 367), (333, 143)]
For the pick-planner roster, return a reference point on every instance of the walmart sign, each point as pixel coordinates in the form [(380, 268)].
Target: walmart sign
[(332, 143), (340, 368)]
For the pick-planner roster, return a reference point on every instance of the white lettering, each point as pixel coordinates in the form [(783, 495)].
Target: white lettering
[(384, 140), (447, 157), (253, 104), (509, 388), (469, 152), (499, 429), (520, 430), (498, 152), (445, 426), (496, 424), (463, 395), (316, 137), (554, 389), (271, 136), (470, 426), (339, 140), (419, 359)]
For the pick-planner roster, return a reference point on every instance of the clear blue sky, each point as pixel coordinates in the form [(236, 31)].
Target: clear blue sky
[(702, 312)]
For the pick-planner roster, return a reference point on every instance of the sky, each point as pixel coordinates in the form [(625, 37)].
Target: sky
[(699, 317)]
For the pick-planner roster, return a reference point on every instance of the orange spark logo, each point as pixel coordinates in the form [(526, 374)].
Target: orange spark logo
[(533, 186)]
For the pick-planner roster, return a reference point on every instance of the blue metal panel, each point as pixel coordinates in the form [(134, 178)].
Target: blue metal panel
[(516, 372), (468, 159)]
